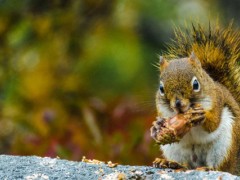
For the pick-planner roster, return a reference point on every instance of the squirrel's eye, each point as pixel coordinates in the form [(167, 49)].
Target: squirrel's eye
[(161, 88), (195, 84)]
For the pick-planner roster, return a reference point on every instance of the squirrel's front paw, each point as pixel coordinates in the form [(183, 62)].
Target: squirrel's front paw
[(166, 131), (158, 131), (195, 116)]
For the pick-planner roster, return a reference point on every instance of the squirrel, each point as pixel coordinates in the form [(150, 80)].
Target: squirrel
[(202, 67)]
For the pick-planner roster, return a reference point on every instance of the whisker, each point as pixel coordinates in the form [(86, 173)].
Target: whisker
[(156, 65)]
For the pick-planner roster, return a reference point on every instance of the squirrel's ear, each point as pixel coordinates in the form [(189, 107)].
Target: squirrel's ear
[(193, 59), (192, 56), (162, 63)]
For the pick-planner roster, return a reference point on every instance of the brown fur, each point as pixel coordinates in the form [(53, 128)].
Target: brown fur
[(233, 160), (218, 50), (177, 76)]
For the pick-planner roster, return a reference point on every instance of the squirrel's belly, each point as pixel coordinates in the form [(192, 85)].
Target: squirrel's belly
[(192, 155), (200, 148)]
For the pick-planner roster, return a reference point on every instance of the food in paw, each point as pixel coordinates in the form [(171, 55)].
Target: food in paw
[(166, 131)]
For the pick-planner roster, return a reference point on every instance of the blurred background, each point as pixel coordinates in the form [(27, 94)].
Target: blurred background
[(77, 78)]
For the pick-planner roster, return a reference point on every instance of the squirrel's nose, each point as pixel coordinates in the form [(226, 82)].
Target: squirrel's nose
[(178, 103)]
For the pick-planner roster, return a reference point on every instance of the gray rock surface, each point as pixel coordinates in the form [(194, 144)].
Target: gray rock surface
[(32, 167)]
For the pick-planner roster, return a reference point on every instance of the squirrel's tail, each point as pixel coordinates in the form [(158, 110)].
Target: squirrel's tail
[(217, 48)]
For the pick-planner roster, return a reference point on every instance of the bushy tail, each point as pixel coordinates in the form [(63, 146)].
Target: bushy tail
[(217, 48)]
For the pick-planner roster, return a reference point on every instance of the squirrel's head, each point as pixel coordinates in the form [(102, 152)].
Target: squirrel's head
[(180, 83)]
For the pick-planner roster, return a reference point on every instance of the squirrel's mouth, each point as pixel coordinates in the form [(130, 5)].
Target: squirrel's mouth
[(181, 109)]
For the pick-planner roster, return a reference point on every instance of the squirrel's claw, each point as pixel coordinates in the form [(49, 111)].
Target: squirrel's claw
[(205, 169), (195, 115), (157, 128), (163, 134), (197, 120), (163, 163), (159, 122), (199, 111)]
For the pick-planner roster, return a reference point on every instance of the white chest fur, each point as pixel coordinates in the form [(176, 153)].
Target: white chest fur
[(200, 148)]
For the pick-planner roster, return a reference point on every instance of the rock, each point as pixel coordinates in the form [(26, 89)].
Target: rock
[(33, 167)]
